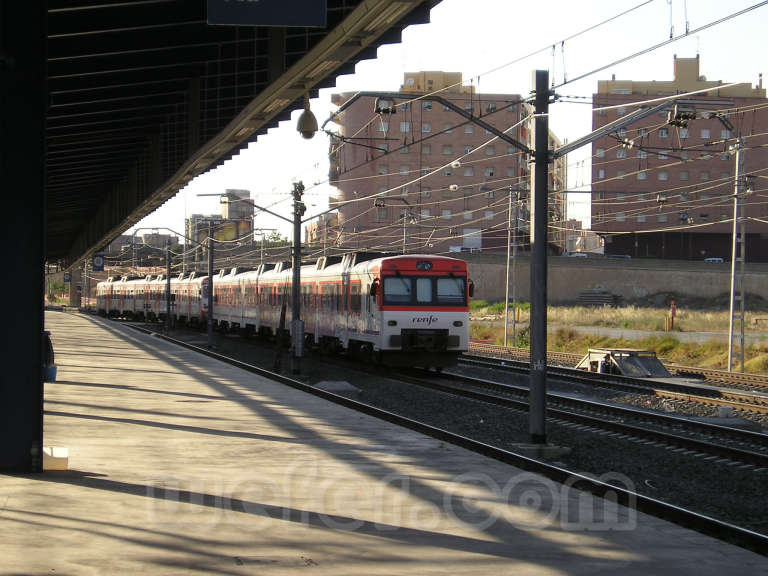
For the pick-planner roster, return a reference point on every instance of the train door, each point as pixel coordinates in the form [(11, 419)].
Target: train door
[(371, 305), (343, 324)]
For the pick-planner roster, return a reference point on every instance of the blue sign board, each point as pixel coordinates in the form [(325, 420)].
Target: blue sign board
[(300, 13), (97, 263)]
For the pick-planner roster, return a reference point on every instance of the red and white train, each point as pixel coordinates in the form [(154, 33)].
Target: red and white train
[(410, 309)]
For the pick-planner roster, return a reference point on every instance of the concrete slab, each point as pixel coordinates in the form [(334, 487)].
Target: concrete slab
[(181, 464)]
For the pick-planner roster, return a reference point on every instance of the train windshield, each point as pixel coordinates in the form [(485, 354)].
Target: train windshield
[(425, 291)]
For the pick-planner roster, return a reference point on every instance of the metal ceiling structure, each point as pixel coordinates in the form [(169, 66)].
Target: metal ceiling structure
[(144, 95), (107, 109)]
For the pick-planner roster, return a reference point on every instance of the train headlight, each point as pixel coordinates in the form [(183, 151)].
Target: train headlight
[(458, 323), (392, 323)]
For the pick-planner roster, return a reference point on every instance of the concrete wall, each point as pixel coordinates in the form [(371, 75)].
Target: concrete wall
[(629, 279)]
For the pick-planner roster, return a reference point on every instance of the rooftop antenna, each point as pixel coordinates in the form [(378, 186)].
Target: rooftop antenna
[(685, 10)]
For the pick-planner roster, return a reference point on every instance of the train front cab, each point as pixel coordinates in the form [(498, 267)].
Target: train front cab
[(424, 310)]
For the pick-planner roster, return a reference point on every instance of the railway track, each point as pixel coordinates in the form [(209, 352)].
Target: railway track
[(698, 438), (565, 359), (685, 517), (700, 394)]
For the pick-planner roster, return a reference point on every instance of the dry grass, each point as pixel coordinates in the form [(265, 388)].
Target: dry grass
[(629, 317)]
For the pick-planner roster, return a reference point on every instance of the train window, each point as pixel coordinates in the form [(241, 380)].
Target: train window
[(355, 301), (451, 291), (397, 290), (423, 290)]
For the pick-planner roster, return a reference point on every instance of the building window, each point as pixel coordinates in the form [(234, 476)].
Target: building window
[(622, 132), (705, 133), (723, 216), (426, 192), (490, 150), (383, 126), (445, 214), (468, 129), (426, 127), (468, 149), (601, 174), (510, 150), (469, 171), (704, 175), (488, 193), (404, 170), (490, 107), (467, 215), (662, 218), (490, 171), (641, 218), (426, 148), (426, 105), (425, 213), (684, 155), (642, 154), (725, 176), (621, 153), (642, 132), (663, 132), (425, 170), (447, 149), (404, 149), (642, 175), (381, 169), (620, 196), (600, 153), (489, 214), (447, 171), (621, 217), (405, 190), (725, 157), (663, 175), (664, 154), (406, 105), (684, 133), (620, 174), (621, 111), (447, 128), (510, 172), (703, 217), (725, 134), (405, 126), (381, 214)]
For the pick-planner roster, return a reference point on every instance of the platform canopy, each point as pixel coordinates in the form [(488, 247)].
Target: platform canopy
[(144, 95)]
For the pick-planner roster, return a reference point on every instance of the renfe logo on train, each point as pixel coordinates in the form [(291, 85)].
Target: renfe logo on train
[(428, 320)]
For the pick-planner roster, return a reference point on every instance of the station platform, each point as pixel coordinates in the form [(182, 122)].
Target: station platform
[(180, 464)]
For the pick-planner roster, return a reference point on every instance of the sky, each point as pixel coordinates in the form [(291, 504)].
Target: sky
[(487, 40)]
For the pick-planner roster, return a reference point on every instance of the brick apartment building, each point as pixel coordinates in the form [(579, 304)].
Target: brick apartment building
[(669, 195), (389, 145)]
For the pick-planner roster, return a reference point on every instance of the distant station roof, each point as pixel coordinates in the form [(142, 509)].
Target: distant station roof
[(145, 95)]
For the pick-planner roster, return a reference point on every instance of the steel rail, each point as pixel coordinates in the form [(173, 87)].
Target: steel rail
[(569, 359), (501, 397), (749, 402)]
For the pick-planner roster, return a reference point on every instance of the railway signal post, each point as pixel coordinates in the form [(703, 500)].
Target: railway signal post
[(297, 324)]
